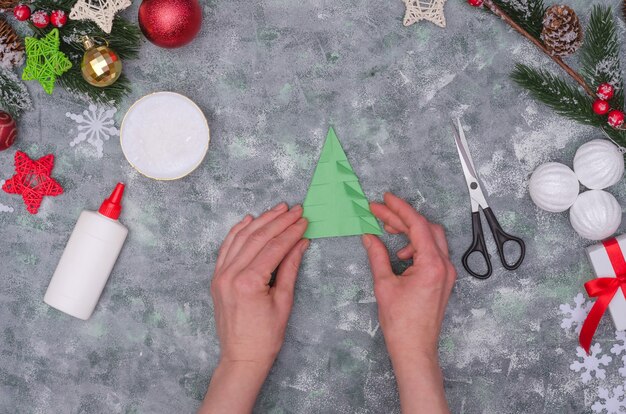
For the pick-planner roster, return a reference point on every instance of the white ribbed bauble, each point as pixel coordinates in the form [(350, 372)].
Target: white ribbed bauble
[(553, 187), (595, 215), (598, 164)]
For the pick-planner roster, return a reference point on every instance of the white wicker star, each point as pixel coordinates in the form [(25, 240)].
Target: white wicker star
[(431, 10), (101, 12)]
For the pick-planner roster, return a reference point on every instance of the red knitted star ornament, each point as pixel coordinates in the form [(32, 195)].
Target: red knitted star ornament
[(32, 180)]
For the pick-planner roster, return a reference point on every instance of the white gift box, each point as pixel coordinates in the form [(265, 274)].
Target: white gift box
[(603, 268)]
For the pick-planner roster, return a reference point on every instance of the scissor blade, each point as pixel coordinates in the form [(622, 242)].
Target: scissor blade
[(461, 144), (471, 179)]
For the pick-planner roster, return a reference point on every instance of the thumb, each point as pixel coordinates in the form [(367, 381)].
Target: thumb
[(288, 270), (378, 256)]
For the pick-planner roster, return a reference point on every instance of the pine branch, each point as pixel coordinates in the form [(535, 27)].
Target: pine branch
[(14, 97), (73, 81), (124, 39), (564, 98), (495, 9), (599, 55), (527, 13)]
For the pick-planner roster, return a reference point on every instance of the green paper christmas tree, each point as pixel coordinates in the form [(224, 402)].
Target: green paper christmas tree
[(335, 204)]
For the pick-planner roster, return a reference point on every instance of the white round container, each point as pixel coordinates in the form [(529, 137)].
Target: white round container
[(164, 136)]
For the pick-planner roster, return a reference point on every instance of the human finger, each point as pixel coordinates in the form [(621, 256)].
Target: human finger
[(440, 238), (264, 235), (419, 230), (391, 230), (388, 217), (229, 240), (275, 251), (378, 257), (288, 269), (406, 252), (256, 224)]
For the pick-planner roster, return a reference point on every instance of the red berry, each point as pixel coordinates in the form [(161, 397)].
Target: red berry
[(475, 3), (21, 12), (605, 91), (58, 18), (40, 19), (600, 106), (616, 118)]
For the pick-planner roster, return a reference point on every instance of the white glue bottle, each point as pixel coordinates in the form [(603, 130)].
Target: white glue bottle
[(88, 258)]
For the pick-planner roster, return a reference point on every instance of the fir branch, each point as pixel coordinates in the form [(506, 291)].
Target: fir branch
[(73, 81), (495, 9), (14, 97), (124, 39), (564, 98), (527, 13), (599, 55)]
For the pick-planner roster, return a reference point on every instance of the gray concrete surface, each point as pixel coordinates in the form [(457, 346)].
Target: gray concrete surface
[(270, 77)]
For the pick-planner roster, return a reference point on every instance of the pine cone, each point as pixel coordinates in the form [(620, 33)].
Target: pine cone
[(11, 46), (562, 33), (8, 4)]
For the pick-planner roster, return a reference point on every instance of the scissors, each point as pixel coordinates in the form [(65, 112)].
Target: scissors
[(478, 200)]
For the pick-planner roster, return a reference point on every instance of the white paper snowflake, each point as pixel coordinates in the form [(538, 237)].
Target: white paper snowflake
[(575, 316), (613, 403), (622, 370), (3, 208), (590, 363), (95, 125), (617, 349)]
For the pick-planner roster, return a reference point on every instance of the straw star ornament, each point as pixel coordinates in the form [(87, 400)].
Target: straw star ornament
[(431, 10), (44, 61), (101, 12)]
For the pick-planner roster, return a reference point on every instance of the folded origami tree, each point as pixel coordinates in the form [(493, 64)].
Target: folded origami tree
[(335, 204)]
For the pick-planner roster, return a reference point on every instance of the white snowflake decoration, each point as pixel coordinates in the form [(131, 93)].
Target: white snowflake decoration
[(575, 316), (100, 12), (3, 208), (617, 349), (613, 404), (431, 10), (590, 363), (622, 370), (95, 126)]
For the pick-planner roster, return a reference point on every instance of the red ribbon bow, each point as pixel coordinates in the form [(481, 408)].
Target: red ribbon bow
[(604, 289)]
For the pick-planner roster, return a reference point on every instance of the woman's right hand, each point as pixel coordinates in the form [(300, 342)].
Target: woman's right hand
[(411, 306)]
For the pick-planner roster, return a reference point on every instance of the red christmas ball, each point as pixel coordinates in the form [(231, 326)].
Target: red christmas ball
[(170, 23), (616, 118), (40, 19), (600, 106), (605, 91), (21, 12), (58, 18), (8, 130), (475, 3)]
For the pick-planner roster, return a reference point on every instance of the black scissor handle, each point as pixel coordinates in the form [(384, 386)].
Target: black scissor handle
[(501, 237), (478, 246)]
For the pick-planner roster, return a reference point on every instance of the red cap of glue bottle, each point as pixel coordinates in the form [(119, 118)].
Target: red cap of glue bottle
[(112, 206)]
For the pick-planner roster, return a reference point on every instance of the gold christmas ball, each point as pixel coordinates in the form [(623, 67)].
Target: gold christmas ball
[(100, 66)]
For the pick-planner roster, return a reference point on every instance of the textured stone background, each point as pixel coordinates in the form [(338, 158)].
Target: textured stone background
[(270, 77)]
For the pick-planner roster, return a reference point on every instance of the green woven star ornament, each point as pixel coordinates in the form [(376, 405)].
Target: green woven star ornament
[(44, 61)]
